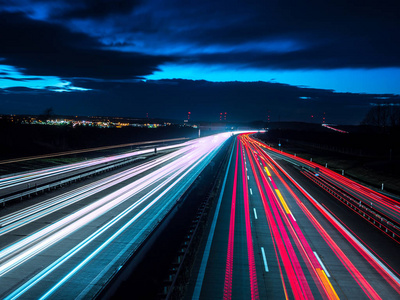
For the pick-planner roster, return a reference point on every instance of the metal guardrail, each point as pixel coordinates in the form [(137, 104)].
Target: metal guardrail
[(374, 217), (58, 183), (177, 280)]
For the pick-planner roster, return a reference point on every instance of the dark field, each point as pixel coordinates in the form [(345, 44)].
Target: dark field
[(366, 154), (25, 140), (18, 141)]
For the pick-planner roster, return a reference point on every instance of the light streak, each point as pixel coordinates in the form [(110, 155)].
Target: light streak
[(283, 243), (369, 291), (250, 251), (206, 254), (229, 257), (171, 180), (301, 243), (86, 150), (122, 229), (32, 213)]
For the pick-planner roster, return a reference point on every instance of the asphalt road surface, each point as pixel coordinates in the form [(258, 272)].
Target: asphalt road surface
[(70, 246), (270, 239)]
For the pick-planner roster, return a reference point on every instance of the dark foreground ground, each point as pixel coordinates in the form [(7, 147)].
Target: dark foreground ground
[(20, 140)]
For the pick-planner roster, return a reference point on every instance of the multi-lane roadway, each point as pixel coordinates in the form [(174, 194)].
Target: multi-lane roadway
[(71, 245), (270, 236), (270, 239)]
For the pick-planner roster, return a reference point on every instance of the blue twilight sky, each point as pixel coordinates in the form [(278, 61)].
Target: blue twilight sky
[(96, 50)]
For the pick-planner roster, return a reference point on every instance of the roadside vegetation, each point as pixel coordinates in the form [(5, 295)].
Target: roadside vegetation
[(368, 154)]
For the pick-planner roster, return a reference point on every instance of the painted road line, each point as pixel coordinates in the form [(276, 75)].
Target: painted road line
[(266, 170), (248, 178), (286, 208), (251, 191), (331, 293), (322, 265), (255, 213), (264, 259)]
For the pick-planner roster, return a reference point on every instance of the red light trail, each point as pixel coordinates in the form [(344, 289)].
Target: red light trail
[(302, 273)]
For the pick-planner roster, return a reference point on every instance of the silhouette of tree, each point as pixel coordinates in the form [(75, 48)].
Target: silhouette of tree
[(383, 115)]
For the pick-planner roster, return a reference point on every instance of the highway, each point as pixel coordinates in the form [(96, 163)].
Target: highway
[(57, 154), (70, 246), (271, 239), (28, 180), (378, 209)]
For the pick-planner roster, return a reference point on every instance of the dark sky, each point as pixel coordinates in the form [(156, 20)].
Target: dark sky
[(289, 59)]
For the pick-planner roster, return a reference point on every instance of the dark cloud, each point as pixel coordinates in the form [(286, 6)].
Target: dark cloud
[(321, 57), (330, 34), (99, 8), (78, 41), (41, 48), (325, 35)]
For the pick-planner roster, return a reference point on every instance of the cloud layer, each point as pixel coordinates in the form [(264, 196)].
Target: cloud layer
[(129, 39), (105, 47)]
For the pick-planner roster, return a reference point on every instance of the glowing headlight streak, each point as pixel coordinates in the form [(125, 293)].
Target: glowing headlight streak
[(29, 177), (80, 218), (76, 269), (30, 214), (91, 238), (199, 160), (381, 268), (79, 247)]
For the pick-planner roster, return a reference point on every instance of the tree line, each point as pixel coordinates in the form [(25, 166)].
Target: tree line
[(383, 115)]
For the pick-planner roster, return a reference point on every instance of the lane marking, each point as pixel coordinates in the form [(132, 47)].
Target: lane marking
[(248, 178), (249, 239), (251, 191), (266, 170), (285, 207), (373, 260), (264, 259), (328, 286), (293, 217), (322, 265), (255, 213)]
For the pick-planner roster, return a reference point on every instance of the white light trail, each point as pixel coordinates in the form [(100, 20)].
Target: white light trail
[(169, 181)]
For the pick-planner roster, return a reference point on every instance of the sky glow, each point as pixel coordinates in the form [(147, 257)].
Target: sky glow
[(88, 47), (14, 78), (386, 80)]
